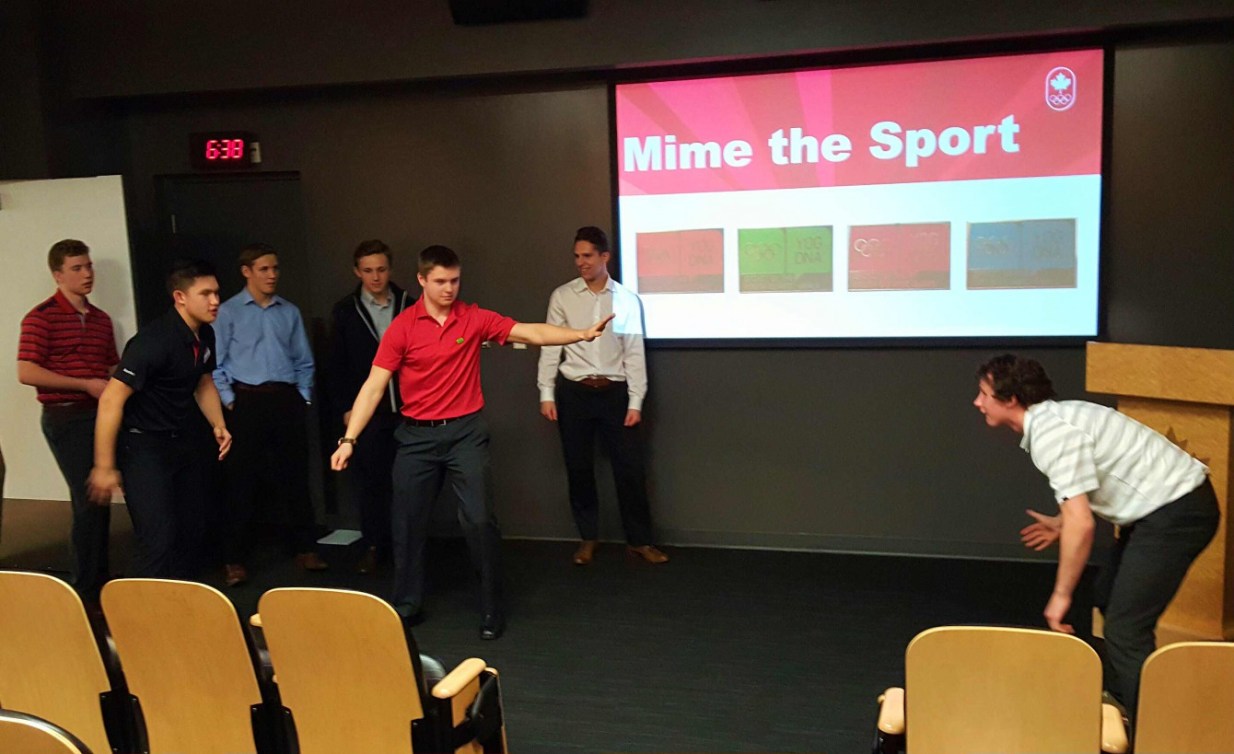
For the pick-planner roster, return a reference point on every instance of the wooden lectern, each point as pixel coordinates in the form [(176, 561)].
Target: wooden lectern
[(1187, 394)]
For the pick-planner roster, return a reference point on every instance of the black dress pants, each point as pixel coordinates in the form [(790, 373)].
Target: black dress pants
[(69, 430), (269, 454), (582, 413), (372, 468), (1147, 566), (426, 457), (164, 485)]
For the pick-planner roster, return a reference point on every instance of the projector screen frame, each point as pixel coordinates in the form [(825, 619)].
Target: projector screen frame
[(858, 58)]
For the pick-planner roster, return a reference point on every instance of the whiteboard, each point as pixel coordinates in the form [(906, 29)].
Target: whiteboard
[(33, 216)]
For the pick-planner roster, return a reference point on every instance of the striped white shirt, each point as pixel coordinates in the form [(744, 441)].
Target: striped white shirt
[(1127, 469)]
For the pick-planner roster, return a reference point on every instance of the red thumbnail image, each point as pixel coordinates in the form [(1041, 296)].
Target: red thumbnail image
[(681, 261), (914, 257)]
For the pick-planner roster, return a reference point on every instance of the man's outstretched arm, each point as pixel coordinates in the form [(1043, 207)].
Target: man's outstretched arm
[(541, 334)]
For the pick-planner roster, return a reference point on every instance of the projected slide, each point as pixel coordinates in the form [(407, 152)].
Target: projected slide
[(958, 198)]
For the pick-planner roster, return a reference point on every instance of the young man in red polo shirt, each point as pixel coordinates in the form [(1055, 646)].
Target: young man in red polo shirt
[(67, 353), (435, 348)]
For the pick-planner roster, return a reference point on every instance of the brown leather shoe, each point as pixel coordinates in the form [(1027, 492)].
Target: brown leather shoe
[(586, 550), (648, 553), (234, 574), (311, 561), (368, 562)]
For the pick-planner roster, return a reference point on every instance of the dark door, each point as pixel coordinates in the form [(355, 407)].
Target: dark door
[(213, 217)]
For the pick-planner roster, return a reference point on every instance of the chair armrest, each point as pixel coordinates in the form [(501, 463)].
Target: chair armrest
[(891, 712), (458, 679), (1113, 733), (255, 620)]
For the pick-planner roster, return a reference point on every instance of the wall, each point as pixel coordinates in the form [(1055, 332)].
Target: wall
[(141, 47), (854, 449), (35, 215), (23, 148)]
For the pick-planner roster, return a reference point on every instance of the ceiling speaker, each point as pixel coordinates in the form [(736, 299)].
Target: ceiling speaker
[(480, 12)]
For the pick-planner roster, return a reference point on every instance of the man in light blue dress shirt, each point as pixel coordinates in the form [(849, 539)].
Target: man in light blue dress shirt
[(265, 379)]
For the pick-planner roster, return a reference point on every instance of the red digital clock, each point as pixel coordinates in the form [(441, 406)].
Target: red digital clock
[(223, 150)]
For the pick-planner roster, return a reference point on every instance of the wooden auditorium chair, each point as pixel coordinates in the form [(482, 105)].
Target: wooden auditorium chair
[(1187, 700), (51, 666), (26, 734), (188, 663), (975, 690), (354, 681)]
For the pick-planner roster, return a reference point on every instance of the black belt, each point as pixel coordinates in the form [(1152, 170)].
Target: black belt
[(265, 387), (69, 407), (167, 433), (434, 422)]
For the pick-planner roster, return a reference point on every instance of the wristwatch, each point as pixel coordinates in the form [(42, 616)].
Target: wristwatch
[(348, 440)]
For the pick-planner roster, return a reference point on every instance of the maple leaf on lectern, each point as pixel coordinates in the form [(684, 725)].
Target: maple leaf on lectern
[(1060, 82), (1181, 443)]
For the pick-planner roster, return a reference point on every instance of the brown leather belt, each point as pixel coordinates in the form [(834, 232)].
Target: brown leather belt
[(596, 382)]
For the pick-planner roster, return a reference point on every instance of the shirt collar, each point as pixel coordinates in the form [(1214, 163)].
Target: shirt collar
[(1028, 420), (63, 302), (419, 310), (180, 327), (247, 298), (579, 285), (369, 299)]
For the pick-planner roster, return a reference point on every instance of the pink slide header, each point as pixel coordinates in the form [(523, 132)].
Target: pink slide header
[(1003, 117)]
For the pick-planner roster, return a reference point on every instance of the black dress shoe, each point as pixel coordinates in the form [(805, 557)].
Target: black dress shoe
[(368, 561), (410, 617), (492, 627)]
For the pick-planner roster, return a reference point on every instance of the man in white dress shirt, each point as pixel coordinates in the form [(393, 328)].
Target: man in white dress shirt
[(1102, 462), (597, 388)]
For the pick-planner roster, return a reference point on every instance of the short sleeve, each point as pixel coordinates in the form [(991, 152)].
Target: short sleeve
[(1066, 456), (32, 345), (494, 326), (140, 357)]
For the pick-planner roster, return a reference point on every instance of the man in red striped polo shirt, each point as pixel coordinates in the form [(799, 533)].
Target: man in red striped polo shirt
[(67, 352)]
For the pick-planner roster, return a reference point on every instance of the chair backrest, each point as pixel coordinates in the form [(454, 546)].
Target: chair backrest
[(186, 660), (49, 657), (344, 670), (27, 734), (971, 690), (1187, 700)]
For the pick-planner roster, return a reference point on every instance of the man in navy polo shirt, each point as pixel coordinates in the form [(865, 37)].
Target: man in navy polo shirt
[(140, 442), (67, 353), (435, 348)]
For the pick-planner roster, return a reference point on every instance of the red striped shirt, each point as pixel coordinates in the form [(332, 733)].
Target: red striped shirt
[(63, 340)]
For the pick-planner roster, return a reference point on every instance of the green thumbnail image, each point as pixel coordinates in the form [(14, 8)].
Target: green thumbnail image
[(785, 259), (761, 251)]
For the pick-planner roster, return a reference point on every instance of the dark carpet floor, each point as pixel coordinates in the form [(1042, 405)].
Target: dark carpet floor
[(716, 651)]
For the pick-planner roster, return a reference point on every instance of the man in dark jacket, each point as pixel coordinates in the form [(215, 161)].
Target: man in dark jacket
[(360, 319)]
